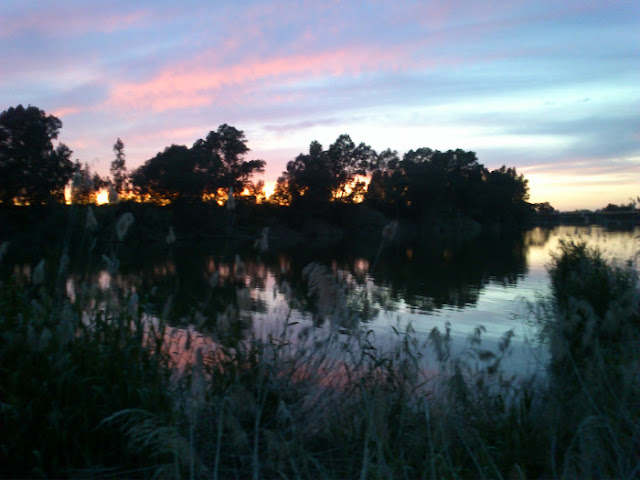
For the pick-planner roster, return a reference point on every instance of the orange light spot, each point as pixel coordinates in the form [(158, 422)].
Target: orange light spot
[(102, 197)]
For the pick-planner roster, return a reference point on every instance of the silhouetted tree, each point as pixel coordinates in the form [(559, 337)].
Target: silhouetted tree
[(507, 195), (118, 168), (544, 208), (386, 186), (214, 163), (169, 176), (31, 169), (281, 193), (221, 158), (347, 162), (433, 185), (428, 184), (308, 176), (320, 176), (254, 192), (86, 184), (619, 208)]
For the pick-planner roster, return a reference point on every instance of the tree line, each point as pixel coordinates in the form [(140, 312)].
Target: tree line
[(422, 184)]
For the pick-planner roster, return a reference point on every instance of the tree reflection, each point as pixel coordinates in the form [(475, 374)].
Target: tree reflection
[(220, 293), (436, 275)]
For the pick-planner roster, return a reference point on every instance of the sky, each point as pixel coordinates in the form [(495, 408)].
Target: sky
[(551, 88)]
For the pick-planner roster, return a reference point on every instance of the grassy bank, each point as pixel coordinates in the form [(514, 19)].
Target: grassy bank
[(99, 388)]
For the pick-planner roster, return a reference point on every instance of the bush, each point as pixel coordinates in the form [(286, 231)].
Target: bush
[(593, 334), (596, 315)]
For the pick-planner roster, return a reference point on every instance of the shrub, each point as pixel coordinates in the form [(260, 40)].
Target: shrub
[(594, 340)]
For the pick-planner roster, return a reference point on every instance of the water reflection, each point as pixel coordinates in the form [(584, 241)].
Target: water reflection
[(434, 276), (223, 293), (334, 287)]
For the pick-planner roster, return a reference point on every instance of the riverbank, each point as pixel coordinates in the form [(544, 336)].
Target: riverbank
[(54, 224)]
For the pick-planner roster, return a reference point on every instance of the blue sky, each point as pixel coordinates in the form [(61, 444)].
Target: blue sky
[(552, 88)]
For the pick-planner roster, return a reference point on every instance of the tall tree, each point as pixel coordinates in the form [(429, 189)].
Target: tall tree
[(169, 176), (322, 176), (308, 178), (214, 163), (507, 193), (347, 162), (222, 157), (31, 169), (118, 168), (386, 188)]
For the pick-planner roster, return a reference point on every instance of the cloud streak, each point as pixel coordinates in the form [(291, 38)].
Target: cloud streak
[(167, 89)]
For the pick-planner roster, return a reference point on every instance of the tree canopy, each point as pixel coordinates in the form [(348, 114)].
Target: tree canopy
[(222, 153), (424, 185), (428, 184), (32, 170), (211, 164), (321, 176)]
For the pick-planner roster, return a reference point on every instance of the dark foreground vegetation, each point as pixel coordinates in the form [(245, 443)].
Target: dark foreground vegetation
[(97, 387)]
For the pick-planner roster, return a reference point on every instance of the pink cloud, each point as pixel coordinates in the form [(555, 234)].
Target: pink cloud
[(179, 86), (65, 111), (82, 143)]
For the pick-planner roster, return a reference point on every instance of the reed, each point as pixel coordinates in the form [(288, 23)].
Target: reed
[(98, 387)]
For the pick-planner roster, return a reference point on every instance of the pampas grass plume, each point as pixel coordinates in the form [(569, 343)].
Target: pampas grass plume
[(171, 237), (389, 231), (92, 223), (4, 248), (123, 224), (38, 273), (231, 203), (262, 242), (113, 194)]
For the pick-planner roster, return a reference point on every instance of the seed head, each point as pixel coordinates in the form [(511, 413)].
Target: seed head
[(389, 231), (4, 247), (64, 264), (239, 268), (123, 224), (171, 237), (92, 223), (112, 263), (38, 274), (231, 203), (113, 194), (45, 338), (262, 242)]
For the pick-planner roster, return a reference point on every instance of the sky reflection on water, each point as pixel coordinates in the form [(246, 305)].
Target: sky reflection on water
[(492, 282)]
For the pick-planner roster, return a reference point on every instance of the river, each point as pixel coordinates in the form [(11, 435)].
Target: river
[(492, 281)]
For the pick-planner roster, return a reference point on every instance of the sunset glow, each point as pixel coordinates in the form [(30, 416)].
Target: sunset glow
[(102, 197), (549, 88), (269, 188)]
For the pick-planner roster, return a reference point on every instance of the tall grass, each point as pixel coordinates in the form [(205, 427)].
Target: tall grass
[(592, 328), (64, 369), (96, 388)]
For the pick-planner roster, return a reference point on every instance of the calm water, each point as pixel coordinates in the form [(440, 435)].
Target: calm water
[(489, 281)]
